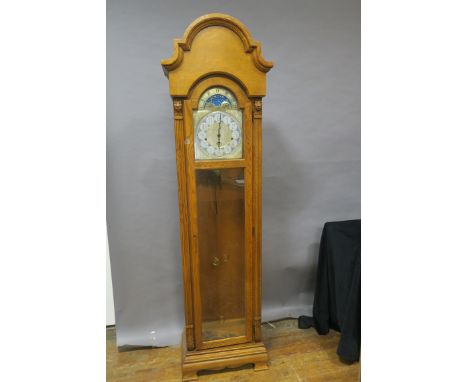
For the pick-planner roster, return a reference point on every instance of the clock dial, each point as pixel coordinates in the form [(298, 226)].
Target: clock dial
[(218, 135)]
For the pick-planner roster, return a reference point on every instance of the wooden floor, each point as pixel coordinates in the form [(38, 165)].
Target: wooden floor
[(295, 355)]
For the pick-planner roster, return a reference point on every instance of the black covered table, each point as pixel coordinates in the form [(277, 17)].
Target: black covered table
[(337, 302)]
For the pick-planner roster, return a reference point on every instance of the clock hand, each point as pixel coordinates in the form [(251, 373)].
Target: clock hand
[(219, 131)]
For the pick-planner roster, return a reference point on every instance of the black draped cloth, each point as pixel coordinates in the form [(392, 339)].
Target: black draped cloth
[(337, 302)]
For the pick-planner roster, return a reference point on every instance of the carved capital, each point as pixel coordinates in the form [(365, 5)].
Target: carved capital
[(178, 108), (257, 105)]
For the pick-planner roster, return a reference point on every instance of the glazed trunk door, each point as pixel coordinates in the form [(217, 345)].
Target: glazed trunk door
[(221, 245)]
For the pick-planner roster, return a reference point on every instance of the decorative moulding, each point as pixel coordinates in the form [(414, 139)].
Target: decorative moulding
[(216, 19)]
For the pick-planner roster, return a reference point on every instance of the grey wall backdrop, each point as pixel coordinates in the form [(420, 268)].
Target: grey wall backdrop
[(311, 151)]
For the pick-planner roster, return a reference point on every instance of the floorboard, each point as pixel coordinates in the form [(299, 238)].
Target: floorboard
[(295, 355)]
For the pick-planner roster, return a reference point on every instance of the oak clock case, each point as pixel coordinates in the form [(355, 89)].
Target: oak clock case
[(217, 78)]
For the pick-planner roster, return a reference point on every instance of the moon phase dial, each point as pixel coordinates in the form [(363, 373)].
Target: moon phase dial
[(217, 97)]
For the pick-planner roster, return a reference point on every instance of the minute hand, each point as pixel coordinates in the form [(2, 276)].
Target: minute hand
[(219, 131)]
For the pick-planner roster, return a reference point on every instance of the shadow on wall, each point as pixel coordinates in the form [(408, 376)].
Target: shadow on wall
[(287, 191)]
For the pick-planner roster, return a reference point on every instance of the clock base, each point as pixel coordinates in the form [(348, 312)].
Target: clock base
[(223, 357)]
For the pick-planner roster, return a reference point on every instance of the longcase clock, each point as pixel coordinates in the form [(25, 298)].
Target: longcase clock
[(217, 79)]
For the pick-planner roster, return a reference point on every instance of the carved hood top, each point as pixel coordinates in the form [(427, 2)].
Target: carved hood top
[(216, 44)]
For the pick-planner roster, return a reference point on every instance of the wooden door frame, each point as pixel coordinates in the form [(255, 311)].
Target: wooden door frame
[(244, 103)]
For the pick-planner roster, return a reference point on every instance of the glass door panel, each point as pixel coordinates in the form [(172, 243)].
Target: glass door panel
[(221, 251)]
